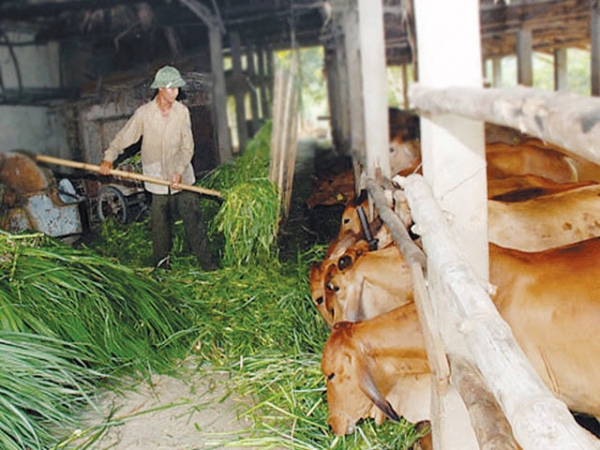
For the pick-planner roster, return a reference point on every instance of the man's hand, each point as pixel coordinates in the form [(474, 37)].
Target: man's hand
[(176, 180), (106, 167)]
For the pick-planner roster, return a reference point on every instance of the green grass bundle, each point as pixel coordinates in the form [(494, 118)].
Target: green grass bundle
[(119, 317), (43, 382), (248, 217)]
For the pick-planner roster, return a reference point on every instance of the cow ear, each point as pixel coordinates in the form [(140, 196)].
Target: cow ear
[(370, 389)]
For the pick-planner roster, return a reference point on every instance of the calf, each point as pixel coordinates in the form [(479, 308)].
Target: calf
[(547, 221)]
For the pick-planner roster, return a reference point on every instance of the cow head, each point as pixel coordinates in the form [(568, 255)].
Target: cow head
[(351, 390), (333, 189), (350, 219), (405, 156), (377, 369), (317, 291)]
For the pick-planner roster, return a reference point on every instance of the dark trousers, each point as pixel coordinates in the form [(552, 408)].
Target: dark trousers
[(164, 210)]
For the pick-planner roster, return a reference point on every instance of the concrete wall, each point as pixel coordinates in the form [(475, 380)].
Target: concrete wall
[(39, 129)]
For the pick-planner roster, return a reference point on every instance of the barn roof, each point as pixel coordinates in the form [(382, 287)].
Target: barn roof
[(176, 25)]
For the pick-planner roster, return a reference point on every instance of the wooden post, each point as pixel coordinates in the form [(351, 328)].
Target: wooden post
[(220, 94), (561, 76), (239, 91), (284, 136), (270, 72), (253, 86), (215, 32), (497, 72), (595, 48), (405, 103), (524, 58), (263, 84)]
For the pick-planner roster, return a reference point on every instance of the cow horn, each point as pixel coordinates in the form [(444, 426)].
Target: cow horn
[(368, 386)]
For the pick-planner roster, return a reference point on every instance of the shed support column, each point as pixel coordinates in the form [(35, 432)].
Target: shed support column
[(405, 103), (355, 105), (270, 73), (262, 75), (524, 58), (561, 80), (374, 86), (338, 110), (253, 87), (454, 165), (219, 94), (239, 91), (497, 72), (595, 49)]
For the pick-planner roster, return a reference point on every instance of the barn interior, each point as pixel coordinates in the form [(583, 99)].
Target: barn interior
[(72, 72)]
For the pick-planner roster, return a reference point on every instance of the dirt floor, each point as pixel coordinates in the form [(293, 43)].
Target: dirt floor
[(192, 411)]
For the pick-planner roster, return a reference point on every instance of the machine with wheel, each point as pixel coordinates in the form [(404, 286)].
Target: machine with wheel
[(31, 198)]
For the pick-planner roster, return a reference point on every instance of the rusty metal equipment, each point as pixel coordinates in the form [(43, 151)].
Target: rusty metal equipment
[(30, 199)]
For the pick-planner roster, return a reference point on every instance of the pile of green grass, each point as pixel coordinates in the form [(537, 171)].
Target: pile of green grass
[(89, 317), (245, 224)]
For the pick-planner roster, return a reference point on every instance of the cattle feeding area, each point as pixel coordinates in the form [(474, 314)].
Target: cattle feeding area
[(542, 233)]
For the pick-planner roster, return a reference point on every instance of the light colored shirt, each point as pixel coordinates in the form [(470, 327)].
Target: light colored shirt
[(167, 144)]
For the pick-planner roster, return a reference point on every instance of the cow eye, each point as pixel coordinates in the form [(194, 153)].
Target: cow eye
[(346, 220), (319, 301), (330, 376)]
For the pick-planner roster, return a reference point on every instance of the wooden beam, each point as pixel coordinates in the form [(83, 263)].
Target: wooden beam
[(568, 120)]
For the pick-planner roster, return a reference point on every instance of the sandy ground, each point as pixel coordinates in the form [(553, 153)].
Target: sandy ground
[(187, 413)]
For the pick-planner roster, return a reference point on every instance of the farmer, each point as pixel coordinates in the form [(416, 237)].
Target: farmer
[(167, 150)]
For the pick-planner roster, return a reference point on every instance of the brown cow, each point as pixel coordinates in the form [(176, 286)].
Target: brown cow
[(507, 160), (350, 246), (518, 188), (373, 284), (547, 221), (551, 301), (377, 369)]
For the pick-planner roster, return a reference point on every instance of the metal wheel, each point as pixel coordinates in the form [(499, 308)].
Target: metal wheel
[(112, 204)]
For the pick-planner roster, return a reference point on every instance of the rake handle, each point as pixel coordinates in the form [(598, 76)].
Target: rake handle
[(123, 174)]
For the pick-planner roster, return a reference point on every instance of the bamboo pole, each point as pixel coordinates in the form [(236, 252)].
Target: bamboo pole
[(124, 174)]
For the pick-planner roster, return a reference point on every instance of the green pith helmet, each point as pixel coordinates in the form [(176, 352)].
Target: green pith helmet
[(167, 77)]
